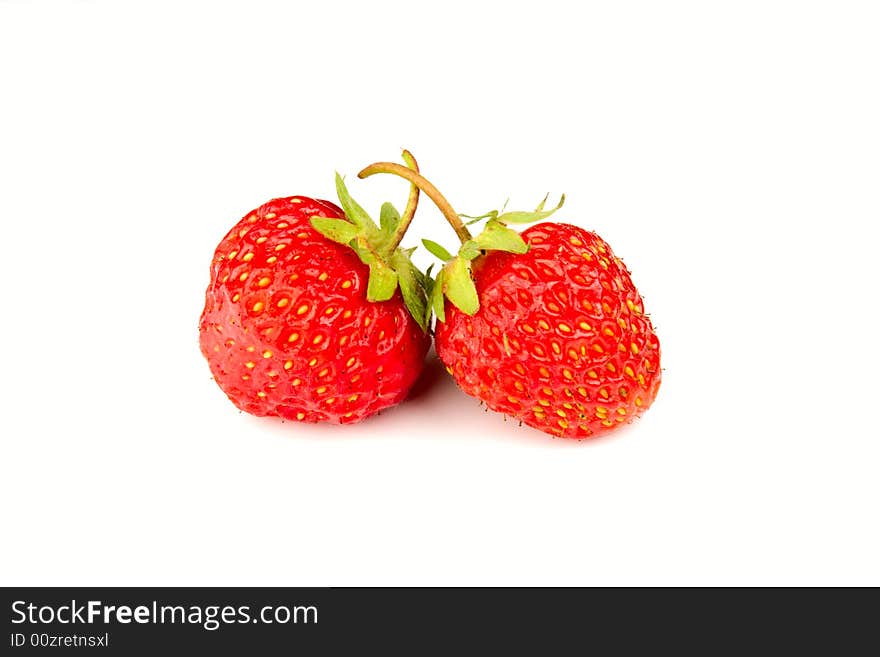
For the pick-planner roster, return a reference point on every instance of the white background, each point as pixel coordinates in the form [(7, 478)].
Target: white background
[(729, 152)]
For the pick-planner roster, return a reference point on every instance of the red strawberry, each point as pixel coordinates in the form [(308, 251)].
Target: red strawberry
[(546, 327), (560, 340), (299, 326)]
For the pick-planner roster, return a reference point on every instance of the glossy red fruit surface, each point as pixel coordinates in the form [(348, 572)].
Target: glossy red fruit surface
[(561, 340), (287, 329)]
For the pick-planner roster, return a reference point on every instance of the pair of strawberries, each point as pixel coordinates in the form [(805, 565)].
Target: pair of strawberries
[(314, 313)]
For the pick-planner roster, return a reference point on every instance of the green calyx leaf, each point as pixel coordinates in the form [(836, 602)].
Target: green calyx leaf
[(437, 251), (478, 218), (413, 287), (529, 217), (469, 250), (382, 283), (389, 218), (338, 230), (355, 213), (437, 298), (492, 214), (459, 286), (383, 278), (498, 237)]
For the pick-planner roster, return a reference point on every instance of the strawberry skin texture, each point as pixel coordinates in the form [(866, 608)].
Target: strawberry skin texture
[(287, 329), (560, 341)]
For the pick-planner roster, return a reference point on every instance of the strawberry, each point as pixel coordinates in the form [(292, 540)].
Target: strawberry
[(545, 326), (313, 313), (560, 340)]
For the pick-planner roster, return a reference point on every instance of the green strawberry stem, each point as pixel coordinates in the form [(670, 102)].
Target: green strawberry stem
[(412, 202), (427, 188)]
